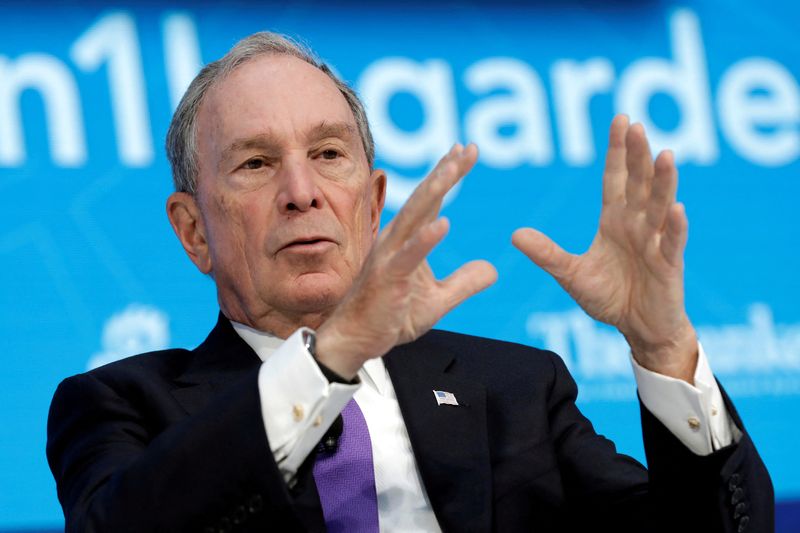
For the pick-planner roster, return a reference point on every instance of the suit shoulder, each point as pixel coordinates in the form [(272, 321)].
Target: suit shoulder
[(163, 364), (464, 340), (490, 351), (509, 370)]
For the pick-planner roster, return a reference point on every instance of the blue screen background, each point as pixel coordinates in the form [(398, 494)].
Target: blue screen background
[(92, 272)]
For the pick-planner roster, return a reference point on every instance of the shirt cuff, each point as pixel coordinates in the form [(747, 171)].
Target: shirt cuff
[(298, 403), (696, 415)]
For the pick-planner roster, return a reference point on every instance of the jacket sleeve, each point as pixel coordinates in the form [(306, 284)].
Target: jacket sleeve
[(211, 471), (728, 490)]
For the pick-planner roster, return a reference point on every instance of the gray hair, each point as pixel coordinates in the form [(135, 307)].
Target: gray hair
[(182, 134)]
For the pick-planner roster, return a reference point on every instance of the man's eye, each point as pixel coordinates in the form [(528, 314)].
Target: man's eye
[(254, 164), (330, 154)]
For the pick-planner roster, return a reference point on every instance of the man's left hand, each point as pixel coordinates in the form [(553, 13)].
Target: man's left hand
[(632, 275)]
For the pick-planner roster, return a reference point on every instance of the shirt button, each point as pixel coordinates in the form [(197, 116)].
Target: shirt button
[(694, 423), (318, 421), (298, 412), (714, 411)]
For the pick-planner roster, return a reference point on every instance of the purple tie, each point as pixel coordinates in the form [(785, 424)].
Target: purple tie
[(346, 479)]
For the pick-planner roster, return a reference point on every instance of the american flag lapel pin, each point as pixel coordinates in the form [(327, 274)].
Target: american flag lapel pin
[(445, 398)]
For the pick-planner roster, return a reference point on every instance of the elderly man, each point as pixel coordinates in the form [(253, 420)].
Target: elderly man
[(322, 399)]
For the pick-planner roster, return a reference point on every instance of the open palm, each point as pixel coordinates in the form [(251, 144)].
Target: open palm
[(632, 275)]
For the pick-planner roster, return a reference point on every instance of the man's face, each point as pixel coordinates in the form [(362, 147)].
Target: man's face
[(287, 202)]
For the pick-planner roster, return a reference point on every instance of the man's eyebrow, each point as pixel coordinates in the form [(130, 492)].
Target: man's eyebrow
[(266, 142), (342, 130), (263, 141)]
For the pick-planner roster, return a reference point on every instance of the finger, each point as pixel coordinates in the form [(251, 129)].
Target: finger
[(616, 170), (465, 159), (665, 184), (424, 203), (421, 208), (543, 251), (417, 248), (673, 240), (640, 167), (467, 281), (432, 191)]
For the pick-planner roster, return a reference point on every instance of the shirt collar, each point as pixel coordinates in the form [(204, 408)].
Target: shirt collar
[(263, 343), (374, 373)]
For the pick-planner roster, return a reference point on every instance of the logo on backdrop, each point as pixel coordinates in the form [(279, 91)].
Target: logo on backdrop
[(137, 329), (758, 357)]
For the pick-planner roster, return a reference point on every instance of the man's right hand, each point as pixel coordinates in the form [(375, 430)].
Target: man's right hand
[(396, 297)]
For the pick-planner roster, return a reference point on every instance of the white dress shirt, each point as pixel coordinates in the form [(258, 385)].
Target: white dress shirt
[(298, 404)]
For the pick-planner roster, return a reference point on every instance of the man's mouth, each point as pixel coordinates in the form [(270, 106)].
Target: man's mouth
[(309, 245)]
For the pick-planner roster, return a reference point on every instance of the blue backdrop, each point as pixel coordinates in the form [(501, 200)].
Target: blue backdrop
[(91, 271)]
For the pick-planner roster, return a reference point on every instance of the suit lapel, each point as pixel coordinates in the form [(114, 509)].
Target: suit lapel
[(450, 443), (222, 359)]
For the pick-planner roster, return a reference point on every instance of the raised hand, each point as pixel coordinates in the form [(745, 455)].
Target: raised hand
[(396, 298), (632, 275)]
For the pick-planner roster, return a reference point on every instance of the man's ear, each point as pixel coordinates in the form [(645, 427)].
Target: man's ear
[(378, 178), (184, 215)]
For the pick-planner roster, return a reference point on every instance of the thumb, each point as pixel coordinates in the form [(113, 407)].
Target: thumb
[(543, 251)]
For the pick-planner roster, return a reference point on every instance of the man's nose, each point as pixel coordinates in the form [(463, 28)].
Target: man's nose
[(299, 191)]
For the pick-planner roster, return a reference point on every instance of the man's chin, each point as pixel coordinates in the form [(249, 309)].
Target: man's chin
[(316, 293)]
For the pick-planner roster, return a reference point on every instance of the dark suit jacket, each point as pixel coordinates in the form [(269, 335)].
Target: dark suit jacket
[(174, 441)]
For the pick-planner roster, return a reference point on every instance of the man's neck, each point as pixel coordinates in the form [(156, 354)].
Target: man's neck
[(278, 323)]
